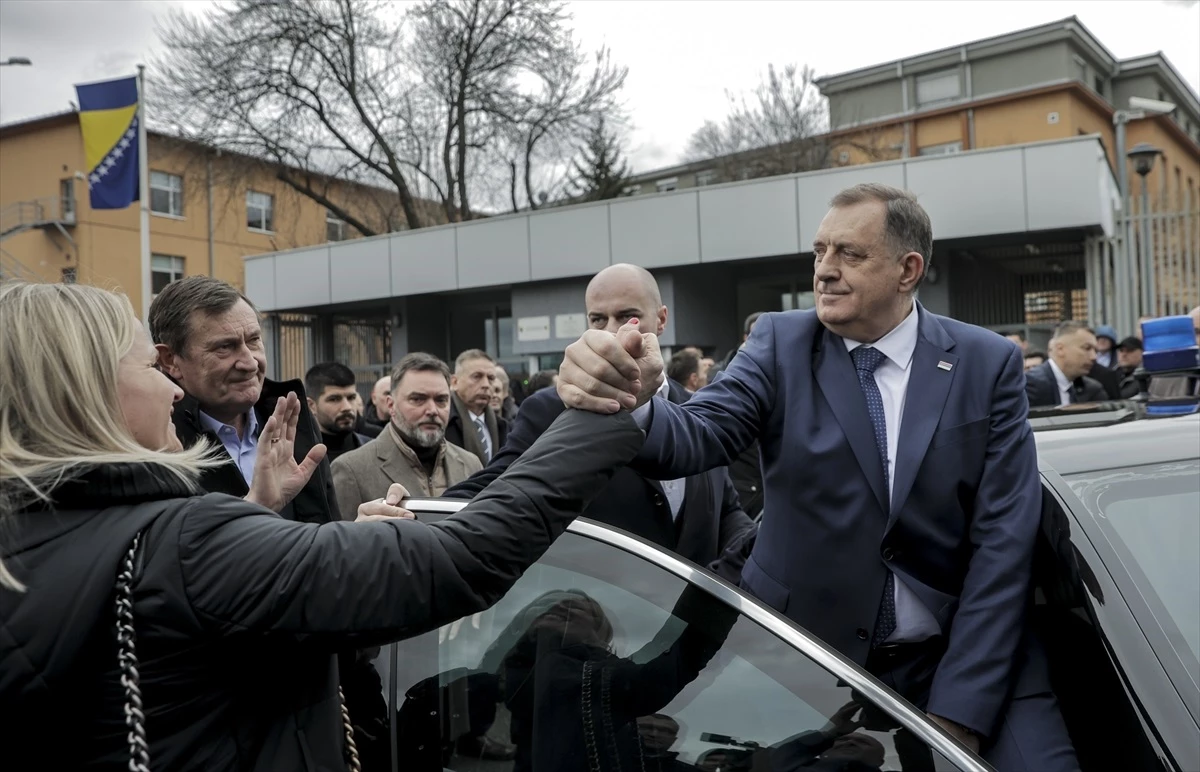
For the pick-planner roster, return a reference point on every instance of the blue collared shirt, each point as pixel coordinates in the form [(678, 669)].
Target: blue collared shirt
[(243, 450)]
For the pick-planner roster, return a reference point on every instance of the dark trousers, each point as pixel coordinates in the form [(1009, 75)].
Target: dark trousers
[(1032, 737)]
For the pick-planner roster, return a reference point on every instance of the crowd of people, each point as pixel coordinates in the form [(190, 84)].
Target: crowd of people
[(193, 554)]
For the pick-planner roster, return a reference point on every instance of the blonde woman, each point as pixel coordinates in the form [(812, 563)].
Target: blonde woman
[(145, 625)]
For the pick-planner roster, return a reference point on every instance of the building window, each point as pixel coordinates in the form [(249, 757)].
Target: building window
[(70, 275), (260, 211), (667, 184), (166, 193), (707, 177), (66, 198), (938, 87), (335, 227), (631, 190), (1098, 84), (943, 149), (164, 269)]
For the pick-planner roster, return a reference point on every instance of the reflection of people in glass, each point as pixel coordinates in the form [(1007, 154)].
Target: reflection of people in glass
[(574, 702), (658, 735)]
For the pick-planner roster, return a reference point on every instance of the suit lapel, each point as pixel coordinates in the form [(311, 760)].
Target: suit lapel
[(839, 383), (391, 459), (929, 383), (691, 523)]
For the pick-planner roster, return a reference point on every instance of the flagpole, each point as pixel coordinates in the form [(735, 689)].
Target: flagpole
[(144, 192)]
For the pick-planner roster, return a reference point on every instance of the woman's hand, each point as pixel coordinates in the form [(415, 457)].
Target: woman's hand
[(277, 476), (386, 508)]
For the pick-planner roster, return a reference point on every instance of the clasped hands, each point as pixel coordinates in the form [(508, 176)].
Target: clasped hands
[(604, 372)]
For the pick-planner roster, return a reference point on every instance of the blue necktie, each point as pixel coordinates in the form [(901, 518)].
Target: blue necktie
[(865, 361)]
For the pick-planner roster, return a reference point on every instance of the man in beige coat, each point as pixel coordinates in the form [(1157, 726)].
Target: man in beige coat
[(412, 449)]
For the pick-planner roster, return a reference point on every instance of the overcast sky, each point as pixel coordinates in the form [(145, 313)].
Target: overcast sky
[(683, 55)]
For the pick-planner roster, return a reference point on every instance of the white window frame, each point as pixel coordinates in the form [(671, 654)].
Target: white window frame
[(171, 265), (631, 190), (332, 219), (946, 148), (172, 185), (706, 177), (266, 208), (667, 185), (935, 86)]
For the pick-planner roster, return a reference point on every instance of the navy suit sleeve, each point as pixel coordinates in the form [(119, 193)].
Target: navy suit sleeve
[(720, 421), (973, 679), (537, 413)]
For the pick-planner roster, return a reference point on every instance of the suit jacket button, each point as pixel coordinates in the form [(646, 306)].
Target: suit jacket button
[(862, 634), (888, 554), (658, 500)]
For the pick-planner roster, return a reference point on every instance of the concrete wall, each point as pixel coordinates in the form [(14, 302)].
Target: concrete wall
[(1020, 69), (967, 195)]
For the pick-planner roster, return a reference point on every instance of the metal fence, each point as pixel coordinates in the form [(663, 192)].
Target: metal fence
[(296, 342), (364, 344), (1152, 265)]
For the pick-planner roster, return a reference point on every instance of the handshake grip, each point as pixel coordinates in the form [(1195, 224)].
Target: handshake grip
[(605, 372)]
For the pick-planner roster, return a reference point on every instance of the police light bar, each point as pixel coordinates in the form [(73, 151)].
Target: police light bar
[(1169, 348)]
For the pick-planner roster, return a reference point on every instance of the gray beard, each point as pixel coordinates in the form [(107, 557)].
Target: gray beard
[(419, 438)]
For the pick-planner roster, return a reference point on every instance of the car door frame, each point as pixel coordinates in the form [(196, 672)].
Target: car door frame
[(783, 628), (1135, 648)]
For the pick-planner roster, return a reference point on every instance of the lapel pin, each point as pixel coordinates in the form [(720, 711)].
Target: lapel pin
[(943, 365)]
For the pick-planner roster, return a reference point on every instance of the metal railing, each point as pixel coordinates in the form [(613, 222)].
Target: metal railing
[(36, 213)]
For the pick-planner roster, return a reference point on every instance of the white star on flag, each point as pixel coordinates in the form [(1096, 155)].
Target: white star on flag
[(95, 178), (118, 152)]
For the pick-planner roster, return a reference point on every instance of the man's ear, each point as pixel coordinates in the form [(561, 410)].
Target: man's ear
[(167, 360), (453, 382), (912, 269), (662, 320), (312, 406)]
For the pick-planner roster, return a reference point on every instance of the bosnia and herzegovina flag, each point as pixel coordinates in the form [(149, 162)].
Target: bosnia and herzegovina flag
[(108, 117)]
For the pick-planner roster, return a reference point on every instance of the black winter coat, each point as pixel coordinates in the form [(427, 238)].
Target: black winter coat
[(238, 612)]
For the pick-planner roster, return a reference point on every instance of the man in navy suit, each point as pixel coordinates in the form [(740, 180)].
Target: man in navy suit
[(696, 516), (902, 497)]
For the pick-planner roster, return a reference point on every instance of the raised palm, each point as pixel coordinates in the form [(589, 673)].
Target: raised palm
[(277, 475)]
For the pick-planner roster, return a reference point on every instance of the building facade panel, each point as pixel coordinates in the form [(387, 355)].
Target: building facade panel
[(423, 261), (656, 231), (493, 252), (260, 274), (878, 100), (1058, 195), (302, 278), (749, 221), (1021, 69), (361, 268), (814, 191), (569, 242), (966, 195)]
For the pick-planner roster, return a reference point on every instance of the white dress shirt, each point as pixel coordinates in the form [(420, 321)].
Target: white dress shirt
[(484, 435), (914, 622), (1064, 384)]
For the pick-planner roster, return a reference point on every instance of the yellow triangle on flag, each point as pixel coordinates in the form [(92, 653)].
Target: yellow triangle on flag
[(102, 130)]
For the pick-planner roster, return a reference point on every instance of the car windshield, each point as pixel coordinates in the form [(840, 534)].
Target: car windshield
[(1152, 515)]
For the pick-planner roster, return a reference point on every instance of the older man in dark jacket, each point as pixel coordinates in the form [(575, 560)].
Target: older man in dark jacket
[(209, 342)]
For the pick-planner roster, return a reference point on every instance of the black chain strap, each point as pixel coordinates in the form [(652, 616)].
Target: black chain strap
[(348, 728), (135, 718)]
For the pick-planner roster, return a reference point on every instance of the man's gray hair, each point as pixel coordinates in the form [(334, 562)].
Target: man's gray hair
[(1070, 327), (418, 362), (171, 312), (907, 225), (470, 355)]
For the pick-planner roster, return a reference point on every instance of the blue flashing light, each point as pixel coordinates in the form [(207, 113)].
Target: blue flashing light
[(1169, 343)]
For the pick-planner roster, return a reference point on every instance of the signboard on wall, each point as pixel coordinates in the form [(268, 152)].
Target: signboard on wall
[(531, 328), (569, 326)]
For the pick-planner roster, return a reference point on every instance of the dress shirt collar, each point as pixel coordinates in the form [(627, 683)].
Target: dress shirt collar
[(899, 344), (214, 426), (664, 390), (1064, 383)]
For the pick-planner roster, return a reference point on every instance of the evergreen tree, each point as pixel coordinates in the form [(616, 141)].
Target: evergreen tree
[(601, 173)]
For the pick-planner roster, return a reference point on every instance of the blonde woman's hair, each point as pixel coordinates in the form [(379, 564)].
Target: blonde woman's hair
[(60, 346)]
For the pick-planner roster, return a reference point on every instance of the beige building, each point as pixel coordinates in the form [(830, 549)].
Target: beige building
[(208, 211)]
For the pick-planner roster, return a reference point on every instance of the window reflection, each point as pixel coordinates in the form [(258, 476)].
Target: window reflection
[(598, 660)]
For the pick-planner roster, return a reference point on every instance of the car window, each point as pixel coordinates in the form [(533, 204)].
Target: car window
[(1151, 514), (599, 659)]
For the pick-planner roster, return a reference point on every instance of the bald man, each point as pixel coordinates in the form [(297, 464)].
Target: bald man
[(377, 412), (697, 517)]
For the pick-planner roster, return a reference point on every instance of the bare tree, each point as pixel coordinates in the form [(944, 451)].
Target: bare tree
[(408, 108), (780, 128)]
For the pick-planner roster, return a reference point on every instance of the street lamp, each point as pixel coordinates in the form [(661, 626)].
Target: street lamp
[(16, 61), (1143, 155), (1127, 279)]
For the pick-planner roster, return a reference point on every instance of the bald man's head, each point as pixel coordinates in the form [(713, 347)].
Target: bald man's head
[(622, 292)]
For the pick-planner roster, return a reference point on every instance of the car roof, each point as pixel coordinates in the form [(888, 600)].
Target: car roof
[(1119, 445)]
